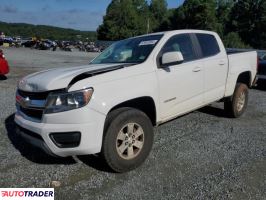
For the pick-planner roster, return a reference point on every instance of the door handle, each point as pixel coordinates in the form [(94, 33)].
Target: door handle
[(196, 69), (221, 63)]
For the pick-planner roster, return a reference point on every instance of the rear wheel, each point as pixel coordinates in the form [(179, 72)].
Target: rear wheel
[(237, 104), (128, 139)]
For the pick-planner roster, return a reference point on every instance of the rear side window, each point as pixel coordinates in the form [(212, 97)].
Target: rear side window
[(208, 44), (180, 43)]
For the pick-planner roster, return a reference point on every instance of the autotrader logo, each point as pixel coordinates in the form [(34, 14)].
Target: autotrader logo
[(27, 193)]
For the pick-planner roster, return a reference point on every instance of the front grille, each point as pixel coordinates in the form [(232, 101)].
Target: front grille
[(35, 104), (33, 113), (34, 95)]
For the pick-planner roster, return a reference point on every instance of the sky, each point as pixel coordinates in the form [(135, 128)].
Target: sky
[(77, 14)]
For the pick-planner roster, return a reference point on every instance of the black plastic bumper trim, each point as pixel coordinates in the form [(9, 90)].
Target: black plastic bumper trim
[(34, 139), (66, 139)]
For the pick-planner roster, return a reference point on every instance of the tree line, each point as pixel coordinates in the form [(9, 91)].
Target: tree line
[(46, 32), (240, 23)]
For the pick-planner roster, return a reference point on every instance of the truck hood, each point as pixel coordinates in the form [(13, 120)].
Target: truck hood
[(54, 79)]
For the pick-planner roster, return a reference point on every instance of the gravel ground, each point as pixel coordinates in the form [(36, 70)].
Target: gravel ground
[(202, 155), (30, 58)]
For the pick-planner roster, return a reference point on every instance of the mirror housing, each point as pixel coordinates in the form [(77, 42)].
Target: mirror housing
[(172, 58)]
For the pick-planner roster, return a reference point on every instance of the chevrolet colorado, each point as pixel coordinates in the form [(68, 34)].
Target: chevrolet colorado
[(111, 105)]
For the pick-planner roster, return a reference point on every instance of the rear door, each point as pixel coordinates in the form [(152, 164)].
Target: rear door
[(180, 85), (215, 63)]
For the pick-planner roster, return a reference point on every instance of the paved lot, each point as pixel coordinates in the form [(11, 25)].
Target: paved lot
[(202, 155)]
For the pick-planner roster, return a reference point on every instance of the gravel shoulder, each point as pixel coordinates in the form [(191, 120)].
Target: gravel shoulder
[(201, 155)]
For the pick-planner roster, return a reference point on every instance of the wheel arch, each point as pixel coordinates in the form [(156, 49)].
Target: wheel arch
[(245, 77), (145, 104)]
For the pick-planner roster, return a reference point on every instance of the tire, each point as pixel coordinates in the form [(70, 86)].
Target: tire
[(127, 140), (237, 104)]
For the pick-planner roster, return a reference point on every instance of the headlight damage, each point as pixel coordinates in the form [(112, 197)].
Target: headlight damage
[(60, 102)]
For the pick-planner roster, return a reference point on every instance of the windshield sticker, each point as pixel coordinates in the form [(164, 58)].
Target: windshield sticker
[(149, 42)]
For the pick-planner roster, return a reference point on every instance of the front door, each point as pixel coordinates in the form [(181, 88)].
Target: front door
[(181, 85)]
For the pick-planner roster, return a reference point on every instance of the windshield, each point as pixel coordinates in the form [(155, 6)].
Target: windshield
[(133, 50)]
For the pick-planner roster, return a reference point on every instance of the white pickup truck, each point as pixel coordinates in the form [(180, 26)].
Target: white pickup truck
[(111, 105)]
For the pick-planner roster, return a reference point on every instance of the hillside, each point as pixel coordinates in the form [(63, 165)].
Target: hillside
[(53, 33)]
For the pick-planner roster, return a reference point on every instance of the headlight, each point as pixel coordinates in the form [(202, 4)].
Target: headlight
[(60, 102)]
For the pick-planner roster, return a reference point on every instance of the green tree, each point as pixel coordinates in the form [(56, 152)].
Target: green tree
[(167, 22), (123, 19), (50, 32), (143, 15), (177, 19), (248, 19), (223, 10), (196, 14), (233, 40), (240, 23), (158, 13)]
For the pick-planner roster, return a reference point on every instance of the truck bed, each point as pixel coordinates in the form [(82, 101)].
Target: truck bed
[(245, 61)]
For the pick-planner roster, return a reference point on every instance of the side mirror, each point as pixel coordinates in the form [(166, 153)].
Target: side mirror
[(171, 58)]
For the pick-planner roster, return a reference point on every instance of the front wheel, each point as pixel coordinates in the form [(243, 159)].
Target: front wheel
[(237, 104), (128, 139)]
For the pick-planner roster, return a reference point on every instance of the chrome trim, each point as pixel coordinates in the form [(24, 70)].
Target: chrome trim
[(19, 112), (28, 103), (37, 103)]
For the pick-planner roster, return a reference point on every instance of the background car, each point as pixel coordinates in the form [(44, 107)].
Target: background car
[(262, 68), (28, 42), (4, 68)]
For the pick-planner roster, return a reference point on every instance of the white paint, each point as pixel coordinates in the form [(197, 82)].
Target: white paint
[(176, 90)]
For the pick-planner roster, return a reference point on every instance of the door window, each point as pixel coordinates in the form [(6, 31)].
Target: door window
[(181, 43), (208, 44)]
